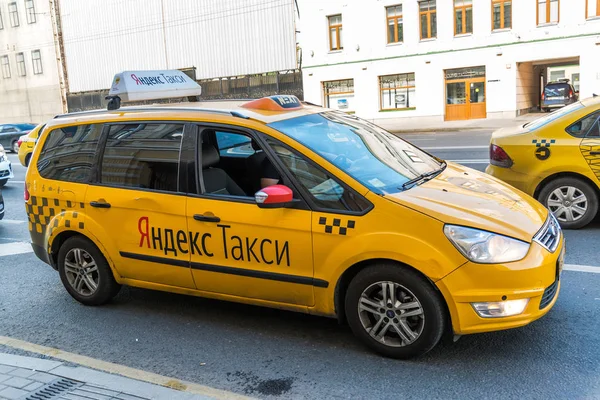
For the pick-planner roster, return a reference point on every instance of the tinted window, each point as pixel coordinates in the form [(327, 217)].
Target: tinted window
[(68, 153), (557, 90), (324, 190), (233, 144), (144, 156), (587, 126), (9, 129)]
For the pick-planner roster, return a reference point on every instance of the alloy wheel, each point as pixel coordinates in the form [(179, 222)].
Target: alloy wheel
[(81, 272), (567, 203)]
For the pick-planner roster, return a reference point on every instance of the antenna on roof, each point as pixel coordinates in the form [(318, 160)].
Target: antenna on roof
[(129, 86)]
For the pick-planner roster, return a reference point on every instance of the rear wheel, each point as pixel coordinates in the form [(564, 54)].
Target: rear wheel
[(394, 311), (85, 273), (15, 146), (573, 201)]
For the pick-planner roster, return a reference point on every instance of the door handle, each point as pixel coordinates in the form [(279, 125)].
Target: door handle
[(206, 218), (594, 153), (99, 204)]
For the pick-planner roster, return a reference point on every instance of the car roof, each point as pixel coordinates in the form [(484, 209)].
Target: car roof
[(591, 101)]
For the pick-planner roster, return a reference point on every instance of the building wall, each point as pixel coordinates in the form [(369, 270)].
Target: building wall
[(29, 98), (528, 85), (218, 37), (366, 54)]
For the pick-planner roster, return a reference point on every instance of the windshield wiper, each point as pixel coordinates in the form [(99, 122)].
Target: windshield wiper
[(424, 177)]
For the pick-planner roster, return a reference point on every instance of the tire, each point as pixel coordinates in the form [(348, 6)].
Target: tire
[(409, 288), (76, 284), (570, 188), (15, 147), (3, 182)]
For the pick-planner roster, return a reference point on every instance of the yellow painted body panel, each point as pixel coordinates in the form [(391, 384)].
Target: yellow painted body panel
[(27, 145), (309, 247)]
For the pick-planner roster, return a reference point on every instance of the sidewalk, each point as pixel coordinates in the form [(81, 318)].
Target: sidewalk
[(413, 125), (39, 379)]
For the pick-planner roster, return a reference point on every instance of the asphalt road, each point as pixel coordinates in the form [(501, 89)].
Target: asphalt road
[(275, 354)]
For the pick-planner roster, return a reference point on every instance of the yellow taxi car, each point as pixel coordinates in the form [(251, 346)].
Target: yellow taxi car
[(27, 143), (278, 203), (555, 159)]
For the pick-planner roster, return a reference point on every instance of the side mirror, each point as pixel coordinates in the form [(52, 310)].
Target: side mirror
[(276, 196)]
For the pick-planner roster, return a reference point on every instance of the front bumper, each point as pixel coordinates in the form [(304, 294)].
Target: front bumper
[(6, 171), (535, 277), (524, 182)]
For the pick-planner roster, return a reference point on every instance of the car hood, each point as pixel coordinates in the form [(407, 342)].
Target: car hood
[(466, 197)]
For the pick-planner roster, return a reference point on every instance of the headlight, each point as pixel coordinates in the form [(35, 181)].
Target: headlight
[(485, 247), (2, 154)]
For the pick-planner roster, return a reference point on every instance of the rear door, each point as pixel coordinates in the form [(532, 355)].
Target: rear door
[(136, 208)]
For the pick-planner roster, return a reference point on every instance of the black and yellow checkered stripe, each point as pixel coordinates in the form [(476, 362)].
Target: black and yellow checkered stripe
[(43, 211), (587, 147), (336, 226)]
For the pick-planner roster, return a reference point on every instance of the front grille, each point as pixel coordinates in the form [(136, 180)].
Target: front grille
[(4, 173), (549, 235), (548, 295)]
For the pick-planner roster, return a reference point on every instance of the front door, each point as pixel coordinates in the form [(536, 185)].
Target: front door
[(465, 99), (136, 207), (237, 248)]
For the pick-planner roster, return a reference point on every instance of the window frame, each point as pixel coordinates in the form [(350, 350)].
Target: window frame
[(6, 73), (395, 18), (30, 15), (21, 64), (326, 94), (337, 27), (381, 90), (39, 61), (428, 14), (463, 9), (548, 12), (501, 3), (13, 16), (587, 5)]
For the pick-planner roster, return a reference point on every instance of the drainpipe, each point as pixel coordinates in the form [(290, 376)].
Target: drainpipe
[(59, 48)]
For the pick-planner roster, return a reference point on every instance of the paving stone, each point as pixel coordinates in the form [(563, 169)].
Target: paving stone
[(4, 377), (91, 395), (5, 369), (17, 382), (96, 389), (22, 372), (125, 396), (33, 386), (42, 377), (12, 393)]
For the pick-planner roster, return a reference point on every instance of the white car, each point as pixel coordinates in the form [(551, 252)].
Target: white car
[(6, 171)]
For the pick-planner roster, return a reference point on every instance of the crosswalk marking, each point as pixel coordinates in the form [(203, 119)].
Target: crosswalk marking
[(10, 249), (12, 221)]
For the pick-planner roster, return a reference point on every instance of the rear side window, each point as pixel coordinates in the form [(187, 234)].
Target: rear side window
[(68, 153), (586, 126), (144, 156)]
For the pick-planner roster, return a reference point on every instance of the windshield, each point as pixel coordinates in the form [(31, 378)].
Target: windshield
[(556, 90), (374, 157), (538, 123)]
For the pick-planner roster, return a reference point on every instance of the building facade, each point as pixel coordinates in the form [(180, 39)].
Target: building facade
[(29, 83), (439, 60)]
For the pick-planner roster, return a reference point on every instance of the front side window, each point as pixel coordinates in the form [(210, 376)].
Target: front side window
[(68, 153), (592, 8), (380, 161), (588, 126), (335, 32), (397, 91), (5, 67), (144, 156), (395, 32), (13, 14), (339, 95), (501, 14), (30, 11), (21, 64), (428, 17), (463, 17), (36, 59), (548, 11)]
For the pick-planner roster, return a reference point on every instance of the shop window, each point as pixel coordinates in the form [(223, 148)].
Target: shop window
[(5, 67), (339, 95), (30, 11), (548, 12), (335, 32), (463, 17), (36, 59), (428, 18), (397, 92), (13, 14), (395, 31), (501, 14), (21, 64), (592, 8)]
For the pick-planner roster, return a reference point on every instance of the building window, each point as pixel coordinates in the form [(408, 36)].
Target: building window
[(13, 14), (21, 64), (463, 17), (397, 91), (501, 14), (592, 8), (335, 32), (339, 95), (36, 59), (1, 21), (575, 81), (428, 19), (548, 11), (5, 67), (30, 11), (394, 24)]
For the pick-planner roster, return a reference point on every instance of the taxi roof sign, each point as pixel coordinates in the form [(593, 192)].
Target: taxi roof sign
[(152, 85), (275, 103)]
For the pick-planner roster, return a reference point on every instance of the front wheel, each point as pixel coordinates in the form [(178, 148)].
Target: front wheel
[(573, 201), (85, 273), (395, 311)]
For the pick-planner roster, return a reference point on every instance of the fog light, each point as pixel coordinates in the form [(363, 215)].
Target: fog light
[(499, 309)]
